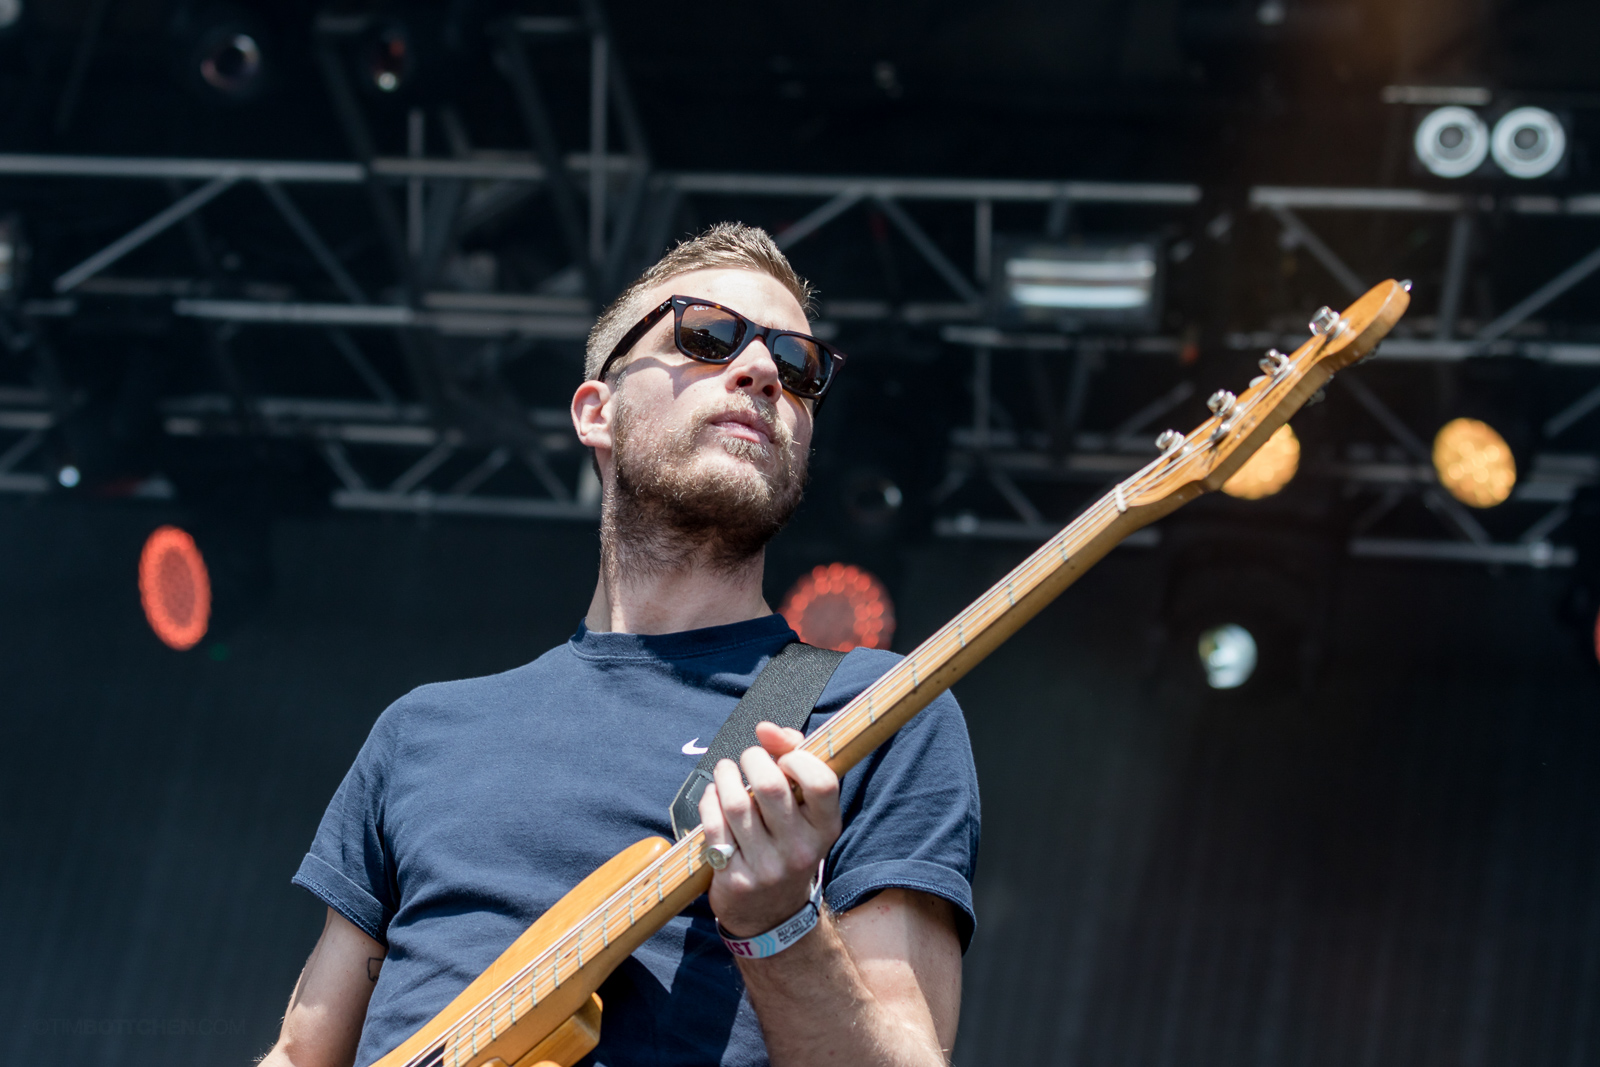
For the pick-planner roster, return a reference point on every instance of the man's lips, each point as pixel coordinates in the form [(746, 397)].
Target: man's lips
[(744, 426)]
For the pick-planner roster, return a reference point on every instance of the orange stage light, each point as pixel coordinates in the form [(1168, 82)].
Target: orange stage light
[(841, 607), (1474, 463), (174, 588)]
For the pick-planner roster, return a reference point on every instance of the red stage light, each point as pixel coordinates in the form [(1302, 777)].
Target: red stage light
[(841, 607), (174, 588)]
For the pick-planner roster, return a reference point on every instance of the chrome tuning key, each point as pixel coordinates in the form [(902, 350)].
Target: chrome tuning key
[(1221, 402), (1326, 322), (1169, 440), (1274, 362)]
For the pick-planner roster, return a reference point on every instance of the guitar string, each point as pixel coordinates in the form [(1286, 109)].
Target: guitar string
[(1030, 572)]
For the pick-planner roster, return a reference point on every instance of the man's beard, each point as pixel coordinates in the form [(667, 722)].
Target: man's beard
[(665, 509)]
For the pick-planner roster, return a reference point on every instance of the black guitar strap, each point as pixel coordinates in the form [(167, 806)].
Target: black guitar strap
[(784, 693)]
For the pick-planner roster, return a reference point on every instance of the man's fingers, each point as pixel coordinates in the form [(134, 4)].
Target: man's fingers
[(778, 740), (819, 788), (770, 786), (711, 819)]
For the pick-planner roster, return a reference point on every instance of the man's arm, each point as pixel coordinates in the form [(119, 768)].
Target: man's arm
[(323, 1024), (878, 985)]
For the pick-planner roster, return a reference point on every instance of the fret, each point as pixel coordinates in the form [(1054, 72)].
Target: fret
[(871, 716), (1010, 598), (911, 661), (605, 932), (660, 870)]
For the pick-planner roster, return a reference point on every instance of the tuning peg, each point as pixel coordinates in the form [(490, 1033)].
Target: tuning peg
[(1326, 322), (1406, 284), (1169, 440), (1274, 362), (1221, 402)]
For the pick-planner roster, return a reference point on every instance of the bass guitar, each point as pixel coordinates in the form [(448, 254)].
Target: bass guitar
[(536, 1006)]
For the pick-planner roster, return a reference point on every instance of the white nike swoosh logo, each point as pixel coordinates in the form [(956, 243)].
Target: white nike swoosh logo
[(692, 749)]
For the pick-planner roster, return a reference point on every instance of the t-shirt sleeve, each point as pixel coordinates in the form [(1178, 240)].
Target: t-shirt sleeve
[(911, 810), (350, 867)]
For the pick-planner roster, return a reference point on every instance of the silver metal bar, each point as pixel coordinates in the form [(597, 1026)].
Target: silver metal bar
[(1273, 196), (1015, 497), (430, 461), (299, 313), (1547, 292), (597, 148), (24, 483), (362, 366), (930, 251), (143, 232), (1541, 530), (416, 133), (936, 188), (27, 420), (970, 527), (389, 316), (1455, 275), (1302, 234), (508, 507), (818, 218), (482, 472), (982, 240), (1539, 555), (1153, 411), (1388, 419), (1439, 502), (19, 451), (313, 241), (547, 477), (487, 167), (1574, 411), (333, 451), (190, 169)]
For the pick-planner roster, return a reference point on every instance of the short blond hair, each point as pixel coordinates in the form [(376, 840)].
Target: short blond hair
[(727, 245)]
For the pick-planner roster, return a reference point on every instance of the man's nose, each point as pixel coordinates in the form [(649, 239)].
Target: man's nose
[(756, 371)]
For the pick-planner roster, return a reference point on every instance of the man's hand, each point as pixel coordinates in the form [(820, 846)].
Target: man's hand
[(779, 836)]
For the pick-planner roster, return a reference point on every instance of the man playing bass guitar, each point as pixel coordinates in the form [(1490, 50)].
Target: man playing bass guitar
[(475, 805)]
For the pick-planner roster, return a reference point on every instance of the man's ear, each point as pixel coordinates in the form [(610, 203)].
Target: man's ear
[(592, 414)]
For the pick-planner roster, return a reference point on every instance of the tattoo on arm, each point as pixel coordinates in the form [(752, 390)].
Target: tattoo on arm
[(374, 965)]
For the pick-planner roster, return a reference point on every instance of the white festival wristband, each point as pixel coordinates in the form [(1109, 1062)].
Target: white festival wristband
[(781, 936)]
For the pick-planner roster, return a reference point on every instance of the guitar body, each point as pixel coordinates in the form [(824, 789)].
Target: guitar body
[(565, 1024)]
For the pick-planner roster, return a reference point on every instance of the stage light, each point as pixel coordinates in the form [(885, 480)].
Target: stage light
[(10, 14), (174, 588), (1228, 655), (389, 59), (1269, 470), (1474, 463), (1106, 284), (1528, 142), (230, 62), (840, 606), (1452, 142), (69, 476)]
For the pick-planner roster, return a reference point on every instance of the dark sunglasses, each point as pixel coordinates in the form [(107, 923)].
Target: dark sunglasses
[(711, 333)]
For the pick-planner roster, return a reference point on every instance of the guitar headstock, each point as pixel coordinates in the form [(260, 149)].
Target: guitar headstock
[(1200, 461)]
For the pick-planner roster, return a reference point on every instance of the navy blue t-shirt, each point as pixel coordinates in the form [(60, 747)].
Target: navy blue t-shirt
[(476, 805)]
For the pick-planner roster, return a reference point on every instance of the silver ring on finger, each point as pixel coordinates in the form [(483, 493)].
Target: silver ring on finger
[(717, 856)]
